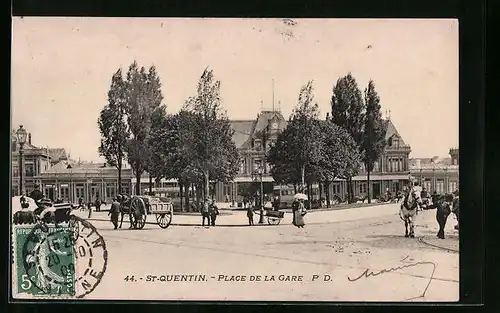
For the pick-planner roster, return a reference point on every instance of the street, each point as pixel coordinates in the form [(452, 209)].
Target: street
[(324, 261)]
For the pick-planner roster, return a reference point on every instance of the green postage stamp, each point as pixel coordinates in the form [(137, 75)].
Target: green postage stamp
[(57, 261)]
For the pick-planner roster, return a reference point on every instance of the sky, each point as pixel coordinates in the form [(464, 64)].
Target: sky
[(62, 69)]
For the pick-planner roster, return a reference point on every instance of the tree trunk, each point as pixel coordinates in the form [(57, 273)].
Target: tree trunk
[(138, 183), (119, 177), (320, 185), (303, 176), (368, 184), (295, 188), (309, 193), (150, 185), (186, 197), (207, 186), (180, 195), (349, 190), (327, 192)]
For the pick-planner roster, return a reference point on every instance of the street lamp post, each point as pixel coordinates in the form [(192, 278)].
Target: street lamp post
[(259, 173), (21, 138)]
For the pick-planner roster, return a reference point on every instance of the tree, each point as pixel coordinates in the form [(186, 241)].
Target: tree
[(112, 125), (209, 142), (374, 131), (295, 155), (348, 111), (143, 98), (340, 156)]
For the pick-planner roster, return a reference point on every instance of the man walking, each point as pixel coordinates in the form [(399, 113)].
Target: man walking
[(250, 216), (90, 209), (36, 194), (97, 204), (114, 211), (205, 212), (214, 211)]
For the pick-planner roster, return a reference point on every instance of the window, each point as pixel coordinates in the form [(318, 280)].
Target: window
[(362, 187), (15, 171), (440, 186), (243, 166), (453, 186), (79, 192), (257, 144), (110, 191), (64, 193), (427, 184), (395, 142), (30, 170), (257, 164), (376, 166)]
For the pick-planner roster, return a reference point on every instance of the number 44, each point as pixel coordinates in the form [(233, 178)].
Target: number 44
[(129, 278)]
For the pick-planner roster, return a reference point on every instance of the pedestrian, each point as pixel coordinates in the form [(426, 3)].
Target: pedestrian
[(97, 204), (299, 211), (205, 212), (90, 209), (36, 194), (250, 215), (114, 211), (214, 211), (276, 203)]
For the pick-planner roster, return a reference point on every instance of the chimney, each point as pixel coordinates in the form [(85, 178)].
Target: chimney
[(29, 138)]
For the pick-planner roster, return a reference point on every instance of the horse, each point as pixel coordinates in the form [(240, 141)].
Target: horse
[(444, 209), (407, 212), (456, 210), (125, 208)]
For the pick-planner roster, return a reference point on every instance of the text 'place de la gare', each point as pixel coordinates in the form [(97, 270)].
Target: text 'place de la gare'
[(60, 177)]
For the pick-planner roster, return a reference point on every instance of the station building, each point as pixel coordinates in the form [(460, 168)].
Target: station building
[(437, 174), (61, 177)]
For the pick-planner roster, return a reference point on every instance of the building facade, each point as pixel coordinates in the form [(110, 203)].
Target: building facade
[(36, 161), (254, 137), (69, 180), (437, 174)]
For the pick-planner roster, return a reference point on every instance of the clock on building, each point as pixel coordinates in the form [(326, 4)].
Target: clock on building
[(274, 125)]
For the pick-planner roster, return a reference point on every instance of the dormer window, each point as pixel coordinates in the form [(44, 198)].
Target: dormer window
[(257, 144), (395, 142)]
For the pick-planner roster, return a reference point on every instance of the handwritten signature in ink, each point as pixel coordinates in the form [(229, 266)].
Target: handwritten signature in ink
[(368, 272)]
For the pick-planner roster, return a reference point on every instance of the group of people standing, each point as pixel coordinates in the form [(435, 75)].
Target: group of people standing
[(209, 212)]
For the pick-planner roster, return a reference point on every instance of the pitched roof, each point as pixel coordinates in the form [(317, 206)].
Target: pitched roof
[(244, 130), (58, 154), (392, 131)]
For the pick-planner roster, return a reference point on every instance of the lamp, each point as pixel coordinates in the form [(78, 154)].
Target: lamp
[(21, 138), (22, 134)]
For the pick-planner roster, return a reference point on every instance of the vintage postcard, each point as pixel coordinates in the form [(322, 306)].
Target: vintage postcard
[(235, 159)]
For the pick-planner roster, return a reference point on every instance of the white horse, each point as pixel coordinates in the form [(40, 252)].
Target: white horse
[(408, 211)]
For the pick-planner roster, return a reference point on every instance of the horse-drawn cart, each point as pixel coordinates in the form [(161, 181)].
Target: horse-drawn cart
[(139, 207)]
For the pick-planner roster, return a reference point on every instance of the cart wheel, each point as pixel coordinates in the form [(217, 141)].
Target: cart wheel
[(138, 210), (164, 219), (271, 220)]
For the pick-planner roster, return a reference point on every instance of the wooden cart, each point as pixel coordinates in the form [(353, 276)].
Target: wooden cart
[(142, 206), (274, 217)]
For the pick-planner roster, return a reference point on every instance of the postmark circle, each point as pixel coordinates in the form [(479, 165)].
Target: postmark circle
[(66, 259)]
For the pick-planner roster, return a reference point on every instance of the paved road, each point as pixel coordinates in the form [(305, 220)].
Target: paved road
[(334, 245)]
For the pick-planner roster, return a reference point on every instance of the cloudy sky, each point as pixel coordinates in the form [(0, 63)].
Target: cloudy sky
[(62, 68)]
